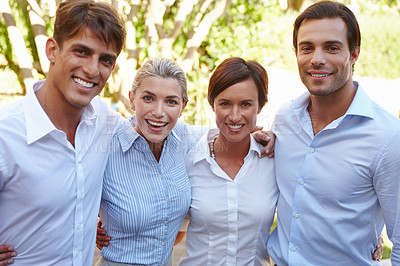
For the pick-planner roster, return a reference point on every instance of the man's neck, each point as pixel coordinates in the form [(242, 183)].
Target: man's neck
[(65, 117), (325, 109)]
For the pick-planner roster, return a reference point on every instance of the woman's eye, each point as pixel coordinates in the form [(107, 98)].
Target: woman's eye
[(172, 102), (147, 98)]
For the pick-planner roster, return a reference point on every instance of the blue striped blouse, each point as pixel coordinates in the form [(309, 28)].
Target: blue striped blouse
[(144, 201)]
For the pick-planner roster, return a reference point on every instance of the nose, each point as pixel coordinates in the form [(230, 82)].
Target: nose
[(318, 57), (234, 115), (159, 110), (91, 67)]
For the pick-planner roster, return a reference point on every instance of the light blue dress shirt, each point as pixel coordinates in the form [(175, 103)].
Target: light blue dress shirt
[(338, 187), (144, 201)]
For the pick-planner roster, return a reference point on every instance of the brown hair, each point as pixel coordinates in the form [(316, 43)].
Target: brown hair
[(102, 18), (328, 9), (234, 70)]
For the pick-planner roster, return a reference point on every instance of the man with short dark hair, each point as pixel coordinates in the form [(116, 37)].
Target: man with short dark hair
[(54, 143), (337, 153)]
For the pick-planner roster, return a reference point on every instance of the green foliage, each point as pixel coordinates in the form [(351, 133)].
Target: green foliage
[(265, 34), (380, 54), (5, 47), (386, 252), (256, 30), (30, 38)]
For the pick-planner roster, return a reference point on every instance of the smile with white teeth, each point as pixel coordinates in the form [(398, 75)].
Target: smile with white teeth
[(235, 126), (83, 83), (319, 75), (156, 124)]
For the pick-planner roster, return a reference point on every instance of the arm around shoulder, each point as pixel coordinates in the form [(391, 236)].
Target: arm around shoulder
[(6, 255)]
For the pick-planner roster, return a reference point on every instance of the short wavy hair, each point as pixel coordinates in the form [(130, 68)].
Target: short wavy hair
[(101, 18), (328, 9)]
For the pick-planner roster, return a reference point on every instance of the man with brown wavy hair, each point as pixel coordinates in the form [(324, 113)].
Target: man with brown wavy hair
[(337, 154), (54, 143)]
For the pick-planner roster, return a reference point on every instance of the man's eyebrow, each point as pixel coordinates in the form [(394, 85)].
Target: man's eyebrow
[(327, 42), (91, 51), (304, 43), (83, 47), (334, 42)]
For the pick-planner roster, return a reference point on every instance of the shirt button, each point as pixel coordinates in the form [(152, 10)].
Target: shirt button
[(293, 248), (312, 150), (162, 243), (159, 175), (166, 200), (302, 182), (297, 215), (165, 222)]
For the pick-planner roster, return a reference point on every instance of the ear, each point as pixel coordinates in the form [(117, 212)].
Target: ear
[(259, 110), (183, 108), (131, 100), (354, 55), (52, 49)]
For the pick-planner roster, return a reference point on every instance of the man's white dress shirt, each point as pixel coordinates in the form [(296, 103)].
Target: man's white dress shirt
[(49, 190)]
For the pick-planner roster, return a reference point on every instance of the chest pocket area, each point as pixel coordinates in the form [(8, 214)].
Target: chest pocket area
[(180, 177)]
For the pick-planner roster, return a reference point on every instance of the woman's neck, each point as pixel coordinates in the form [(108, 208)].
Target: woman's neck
[(156, 149), (230, 155)]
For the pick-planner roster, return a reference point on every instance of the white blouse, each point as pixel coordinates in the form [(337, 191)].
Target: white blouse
[(230, 220)]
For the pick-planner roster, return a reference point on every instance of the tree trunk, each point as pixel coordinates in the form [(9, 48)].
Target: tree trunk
[(39, 31), (23, 57), (201, 32)]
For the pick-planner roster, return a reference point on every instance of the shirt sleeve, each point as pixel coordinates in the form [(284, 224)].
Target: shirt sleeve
[(190, 134), (387, 187), (4, 173)]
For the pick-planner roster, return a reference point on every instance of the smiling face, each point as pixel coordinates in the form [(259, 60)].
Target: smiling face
[(80, 68), (323, 56), (236, 110), (158, 104)]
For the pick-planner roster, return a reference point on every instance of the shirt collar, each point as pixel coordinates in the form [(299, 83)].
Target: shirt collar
[(360, 106), (202, 152), (38, 124), (128, 135)]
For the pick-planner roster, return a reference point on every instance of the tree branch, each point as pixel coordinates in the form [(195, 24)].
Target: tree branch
[(201, 32)]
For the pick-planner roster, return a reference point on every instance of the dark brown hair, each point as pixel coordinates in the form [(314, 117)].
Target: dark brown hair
[(101, 18), (328, 9), (234, 70)]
